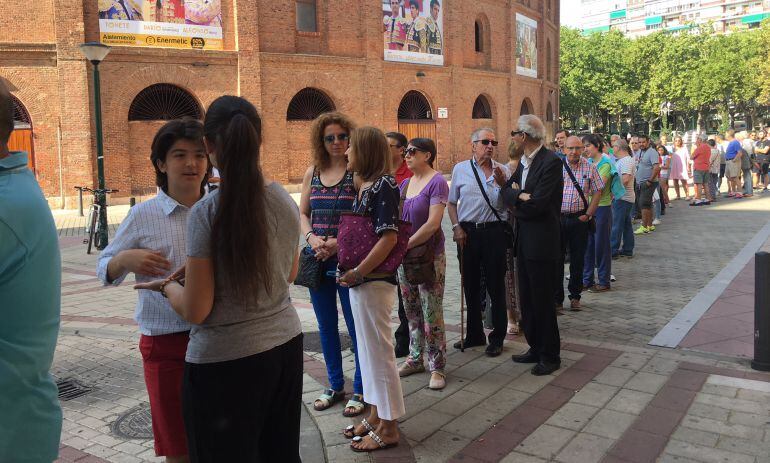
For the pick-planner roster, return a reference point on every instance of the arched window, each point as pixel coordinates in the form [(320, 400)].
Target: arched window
[(548, 59), (526, 107), (549, 115), (21, 119), (478, 35), (308, 104), (164, 102), (481, 108), (414, 106)]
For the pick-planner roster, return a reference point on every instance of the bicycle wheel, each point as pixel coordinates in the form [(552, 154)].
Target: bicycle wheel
[(94, 217)]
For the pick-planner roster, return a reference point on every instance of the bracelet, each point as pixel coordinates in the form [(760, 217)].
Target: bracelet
[(163, 288), (357, 274), (455, 225), (307, 235)]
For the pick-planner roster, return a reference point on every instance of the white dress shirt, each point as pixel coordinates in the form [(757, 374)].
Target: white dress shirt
[(465, 193), (526, 162), (159, 224)]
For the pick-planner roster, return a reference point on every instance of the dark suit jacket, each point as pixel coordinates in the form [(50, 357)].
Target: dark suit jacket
[(538, 221)]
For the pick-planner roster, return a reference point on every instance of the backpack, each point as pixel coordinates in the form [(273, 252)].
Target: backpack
[(618, 189)]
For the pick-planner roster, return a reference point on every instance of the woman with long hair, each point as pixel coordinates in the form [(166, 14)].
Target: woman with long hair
[(242, 387), (665, 169), (425, 197), (328, 191), (372, 295)]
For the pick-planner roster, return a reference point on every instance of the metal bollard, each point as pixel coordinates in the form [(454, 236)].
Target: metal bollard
[(80, 201), (132, 202), (761, 312)]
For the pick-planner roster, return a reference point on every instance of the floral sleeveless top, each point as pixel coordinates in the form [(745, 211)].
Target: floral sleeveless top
[(325, 219)]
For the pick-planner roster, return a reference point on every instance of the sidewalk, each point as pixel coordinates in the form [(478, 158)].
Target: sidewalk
[(615, 399)]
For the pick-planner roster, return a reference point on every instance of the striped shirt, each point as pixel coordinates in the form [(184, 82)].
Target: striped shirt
[(590, 182), (159, 224)]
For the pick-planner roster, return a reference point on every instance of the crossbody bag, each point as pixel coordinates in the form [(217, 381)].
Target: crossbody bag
[(506, 224)]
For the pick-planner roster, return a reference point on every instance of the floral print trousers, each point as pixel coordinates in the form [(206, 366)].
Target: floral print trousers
[(424, 309)]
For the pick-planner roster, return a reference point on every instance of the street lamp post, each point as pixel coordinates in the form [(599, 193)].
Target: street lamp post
[(95, 52)]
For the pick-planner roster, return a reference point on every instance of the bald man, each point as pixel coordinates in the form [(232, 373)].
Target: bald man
[(30, 289)]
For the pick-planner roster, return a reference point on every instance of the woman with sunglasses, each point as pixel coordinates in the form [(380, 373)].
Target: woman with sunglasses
[(425, 197), (327, 191)]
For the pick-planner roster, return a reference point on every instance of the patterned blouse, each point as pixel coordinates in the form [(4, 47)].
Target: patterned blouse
[(323, 216), (380, 201)]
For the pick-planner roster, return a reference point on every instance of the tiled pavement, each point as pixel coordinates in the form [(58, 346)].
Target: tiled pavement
[(614, 400)]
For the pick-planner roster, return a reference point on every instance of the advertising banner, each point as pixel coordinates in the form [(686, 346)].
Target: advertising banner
[(161, 23), (526, 46), (413, 31)]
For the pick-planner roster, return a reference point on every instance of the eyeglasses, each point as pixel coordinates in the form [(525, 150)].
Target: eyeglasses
[(573, 148), (339, 137), (516, 132), (486, 142)]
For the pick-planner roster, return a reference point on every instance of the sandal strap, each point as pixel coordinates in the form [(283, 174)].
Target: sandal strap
[(329, 397), (367, 425), (377, 439)]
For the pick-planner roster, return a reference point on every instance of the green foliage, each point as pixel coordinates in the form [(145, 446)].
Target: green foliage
[(692, 73)]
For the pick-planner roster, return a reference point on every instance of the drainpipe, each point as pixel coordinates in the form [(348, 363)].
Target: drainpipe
[(61, 164)]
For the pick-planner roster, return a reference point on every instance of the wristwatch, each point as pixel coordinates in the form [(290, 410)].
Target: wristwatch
[(455, 225)]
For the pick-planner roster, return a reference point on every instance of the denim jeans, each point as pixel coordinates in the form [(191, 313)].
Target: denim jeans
[(622, 230), (748, 183), (598, 255), (324, 301), (574, 237), (656, 209)]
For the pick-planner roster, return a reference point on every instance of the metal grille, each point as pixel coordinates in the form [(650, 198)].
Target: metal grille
[(70, 389), (20, 115), (414, 106), (135, 423), (163, 102), (481, 108), (308, 104)]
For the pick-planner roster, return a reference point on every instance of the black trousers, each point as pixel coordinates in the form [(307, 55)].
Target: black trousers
[(538, 317), (574, 239), (402, 332), (245, 410), (485, 252)]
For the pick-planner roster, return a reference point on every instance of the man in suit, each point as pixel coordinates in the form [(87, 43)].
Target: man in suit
[(534, 194)]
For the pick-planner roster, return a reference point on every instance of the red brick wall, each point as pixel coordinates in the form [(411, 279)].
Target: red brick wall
[(266, 61)]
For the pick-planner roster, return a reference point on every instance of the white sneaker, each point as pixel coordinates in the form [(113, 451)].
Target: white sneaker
[(656, 222), (612, 278)]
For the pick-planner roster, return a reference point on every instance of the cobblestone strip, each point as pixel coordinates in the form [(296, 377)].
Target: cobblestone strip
[(649, 435), (502, 438), (69, 454)]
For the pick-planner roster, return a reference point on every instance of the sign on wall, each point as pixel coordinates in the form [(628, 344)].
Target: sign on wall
[(526, 46), (413, 31), (161, 23)]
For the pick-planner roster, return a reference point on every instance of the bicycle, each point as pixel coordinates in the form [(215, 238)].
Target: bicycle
[(95, 218)]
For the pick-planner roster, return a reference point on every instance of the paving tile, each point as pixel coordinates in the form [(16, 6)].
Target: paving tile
[(516, 457), (658, 421), (546, 442), (724, 391), (638, 447), (585, 448), (525, 419), (694, 436), (495, 445), (631, 361), (488, 383), (550, 397), (719, 427), (595, 394), (458, 403), (529, 383), (708, 411), (756, 448), (739, 405), (750, 419), (608, 423), (705, 454), (441, 445), (573, 378), (573, 416), (613, 376), (470, 424), (629, 401), (424, 424), (686, 379), (673, 398)]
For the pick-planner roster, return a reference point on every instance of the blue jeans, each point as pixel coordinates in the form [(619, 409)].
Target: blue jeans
[(324, 301), (598, 255), (622, 230), (748, 183)]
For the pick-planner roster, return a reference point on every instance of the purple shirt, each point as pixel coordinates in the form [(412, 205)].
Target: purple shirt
[(417, 209)]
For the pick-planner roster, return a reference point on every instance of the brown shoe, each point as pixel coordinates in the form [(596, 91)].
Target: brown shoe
[(598, 289), (574, 305)]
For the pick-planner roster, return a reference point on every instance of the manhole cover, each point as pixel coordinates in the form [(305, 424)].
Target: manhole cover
[(71, 389), (136, 423), (311, 341)]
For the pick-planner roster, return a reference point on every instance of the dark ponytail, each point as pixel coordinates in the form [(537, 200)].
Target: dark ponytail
[(239, 237)]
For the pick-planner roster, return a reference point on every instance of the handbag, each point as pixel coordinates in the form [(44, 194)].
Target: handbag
[(356, 238), (592, 221), (506, 225), (310, 272), (418, 264)]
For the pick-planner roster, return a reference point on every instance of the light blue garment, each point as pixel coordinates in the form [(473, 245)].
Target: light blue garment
[(30, 305)]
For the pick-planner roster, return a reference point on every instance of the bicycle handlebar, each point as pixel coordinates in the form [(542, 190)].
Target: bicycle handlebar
[(97, 190)]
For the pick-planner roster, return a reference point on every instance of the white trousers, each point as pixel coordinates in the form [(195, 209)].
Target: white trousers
[(372, 304)]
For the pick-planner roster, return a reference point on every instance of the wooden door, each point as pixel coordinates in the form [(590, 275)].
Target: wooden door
[(21, 140), (420, 129)]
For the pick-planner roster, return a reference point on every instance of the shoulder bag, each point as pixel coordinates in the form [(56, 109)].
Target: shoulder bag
[(418, 264), (310, 273), (506, 224), (592, 220)]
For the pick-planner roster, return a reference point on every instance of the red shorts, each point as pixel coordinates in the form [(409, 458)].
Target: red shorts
[(163, 358)]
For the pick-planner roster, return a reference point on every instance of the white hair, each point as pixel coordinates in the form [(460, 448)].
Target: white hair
[(477, 132), (703, 137), (532, 126)]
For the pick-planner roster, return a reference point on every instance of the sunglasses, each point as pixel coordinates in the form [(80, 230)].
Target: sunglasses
[(486, 142), (339, 137), (516, 132), (410, 151)]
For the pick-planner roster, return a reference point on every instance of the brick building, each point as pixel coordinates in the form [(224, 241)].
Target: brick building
[(289, 74)]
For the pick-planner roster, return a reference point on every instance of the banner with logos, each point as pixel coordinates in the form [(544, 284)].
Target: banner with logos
[(190, 24), (413, 31), (526, 46)]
